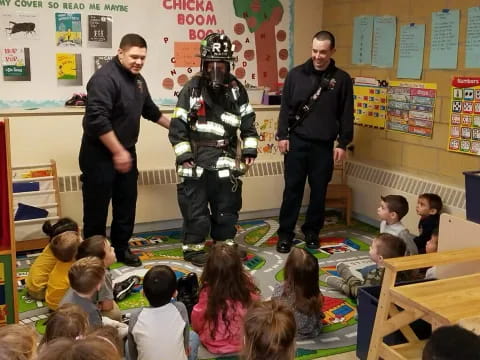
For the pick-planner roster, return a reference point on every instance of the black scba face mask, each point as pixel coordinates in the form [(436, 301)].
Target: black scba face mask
[(216, 74)]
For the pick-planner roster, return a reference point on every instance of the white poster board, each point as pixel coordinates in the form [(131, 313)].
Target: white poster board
[(261, 31)]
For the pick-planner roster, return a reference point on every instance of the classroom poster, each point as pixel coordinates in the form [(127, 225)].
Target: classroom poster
[(99, 31), (69, 69), (68, 29), (186, 53), (362, 40), (410, 57), (260, 30), (16, 64), (266, 128), (472, 42), (464, 124), (20, 26), (99, 61), (384, 34), (369, 102), (411, 107), (444, 39)]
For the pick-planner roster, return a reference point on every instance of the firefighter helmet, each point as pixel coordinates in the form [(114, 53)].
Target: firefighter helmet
[(216, 52), (216, 47)]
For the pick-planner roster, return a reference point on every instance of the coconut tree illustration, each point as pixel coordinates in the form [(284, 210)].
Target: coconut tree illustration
[(261, 17)]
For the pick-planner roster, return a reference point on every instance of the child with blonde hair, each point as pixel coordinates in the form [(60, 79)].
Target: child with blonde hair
[(43, 265), (86, 277), (64, 247), (227, 291), (99, 246), (384, 246), (69, 321), (269, 332), (18, 342), (301, 292), (111, 334), (90, 348)]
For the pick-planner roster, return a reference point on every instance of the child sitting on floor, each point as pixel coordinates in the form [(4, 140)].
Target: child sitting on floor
[(301, 292), (91, 348), (227, 291), (428, 207), (100, 247), (18, 342), (64, 246), (43, 265), (391, 211), (269, 332), (384, 246), (161, 331), (86, 277), (69, 320)]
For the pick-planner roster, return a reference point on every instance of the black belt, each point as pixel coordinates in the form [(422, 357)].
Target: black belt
[(212, 143)]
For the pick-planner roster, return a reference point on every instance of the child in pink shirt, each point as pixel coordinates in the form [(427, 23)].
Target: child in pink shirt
[(226, 293)]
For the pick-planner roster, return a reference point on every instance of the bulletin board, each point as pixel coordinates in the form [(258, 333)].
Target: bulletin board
[(411, 107), (370, 102), (464, 124), (57, 45)]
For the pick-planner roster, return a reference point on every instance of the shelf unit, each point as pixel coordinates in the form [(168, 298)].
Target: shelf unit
[(28, 233), (8, 269)]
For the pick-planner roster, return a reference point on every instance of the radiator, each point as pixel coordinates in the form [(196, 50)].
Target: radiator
[(369, 183), (263, 186)]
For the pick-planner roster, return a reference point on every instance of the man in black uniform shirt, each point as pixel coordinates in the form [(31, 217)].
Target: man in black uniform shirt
[(117, 97), (317, 109)]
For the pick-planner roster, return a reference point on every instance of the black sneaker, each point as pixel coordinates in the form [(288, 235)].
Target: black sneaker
[(312, 241), (187, 288), (196, 257), (122, 289), (284, 246), (128, 258)]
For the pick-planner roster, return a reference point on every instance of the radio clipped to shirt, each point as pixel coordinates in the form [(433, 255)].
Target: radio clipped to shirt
[(306, 107)]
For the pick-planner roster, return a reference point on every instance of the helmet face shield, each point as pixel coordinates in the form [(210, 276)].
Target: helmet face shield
[(215, 72), (216, 52)]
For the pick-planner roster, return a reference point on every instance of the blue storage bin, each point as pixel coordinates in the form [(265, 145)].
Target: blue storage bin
[(472, 195), (26, 186), (367, 304), (27, 212)]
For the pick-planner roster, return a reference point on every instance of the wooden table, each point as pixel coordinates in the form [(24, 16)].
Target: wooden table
[(439, 302)]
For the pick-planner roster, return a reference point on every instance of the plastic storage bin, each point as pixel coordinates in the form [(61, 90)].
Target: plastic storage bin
[(472, 195), (255, 95), (367, 309)]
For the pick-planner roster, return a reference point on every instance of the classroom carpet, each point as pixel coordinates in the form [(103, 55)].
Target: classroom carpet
[(339, 243)]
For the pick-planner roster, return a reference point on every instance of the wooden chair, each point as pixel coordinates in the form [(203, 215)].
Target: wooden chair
[(440, 302), (339, 194)]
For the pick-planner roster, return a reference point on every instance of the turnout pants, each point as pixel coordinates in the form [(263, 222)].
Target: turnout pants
[(312, 160), (102, 183), (209, 204)]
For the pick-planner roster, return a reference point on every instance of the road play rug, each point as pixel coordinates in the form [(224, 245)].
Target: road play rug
[(339, 243)]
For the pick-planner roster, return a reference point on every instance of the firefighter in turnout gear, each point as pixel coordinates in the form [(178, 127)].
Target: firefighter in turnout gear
[(212, 106)]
